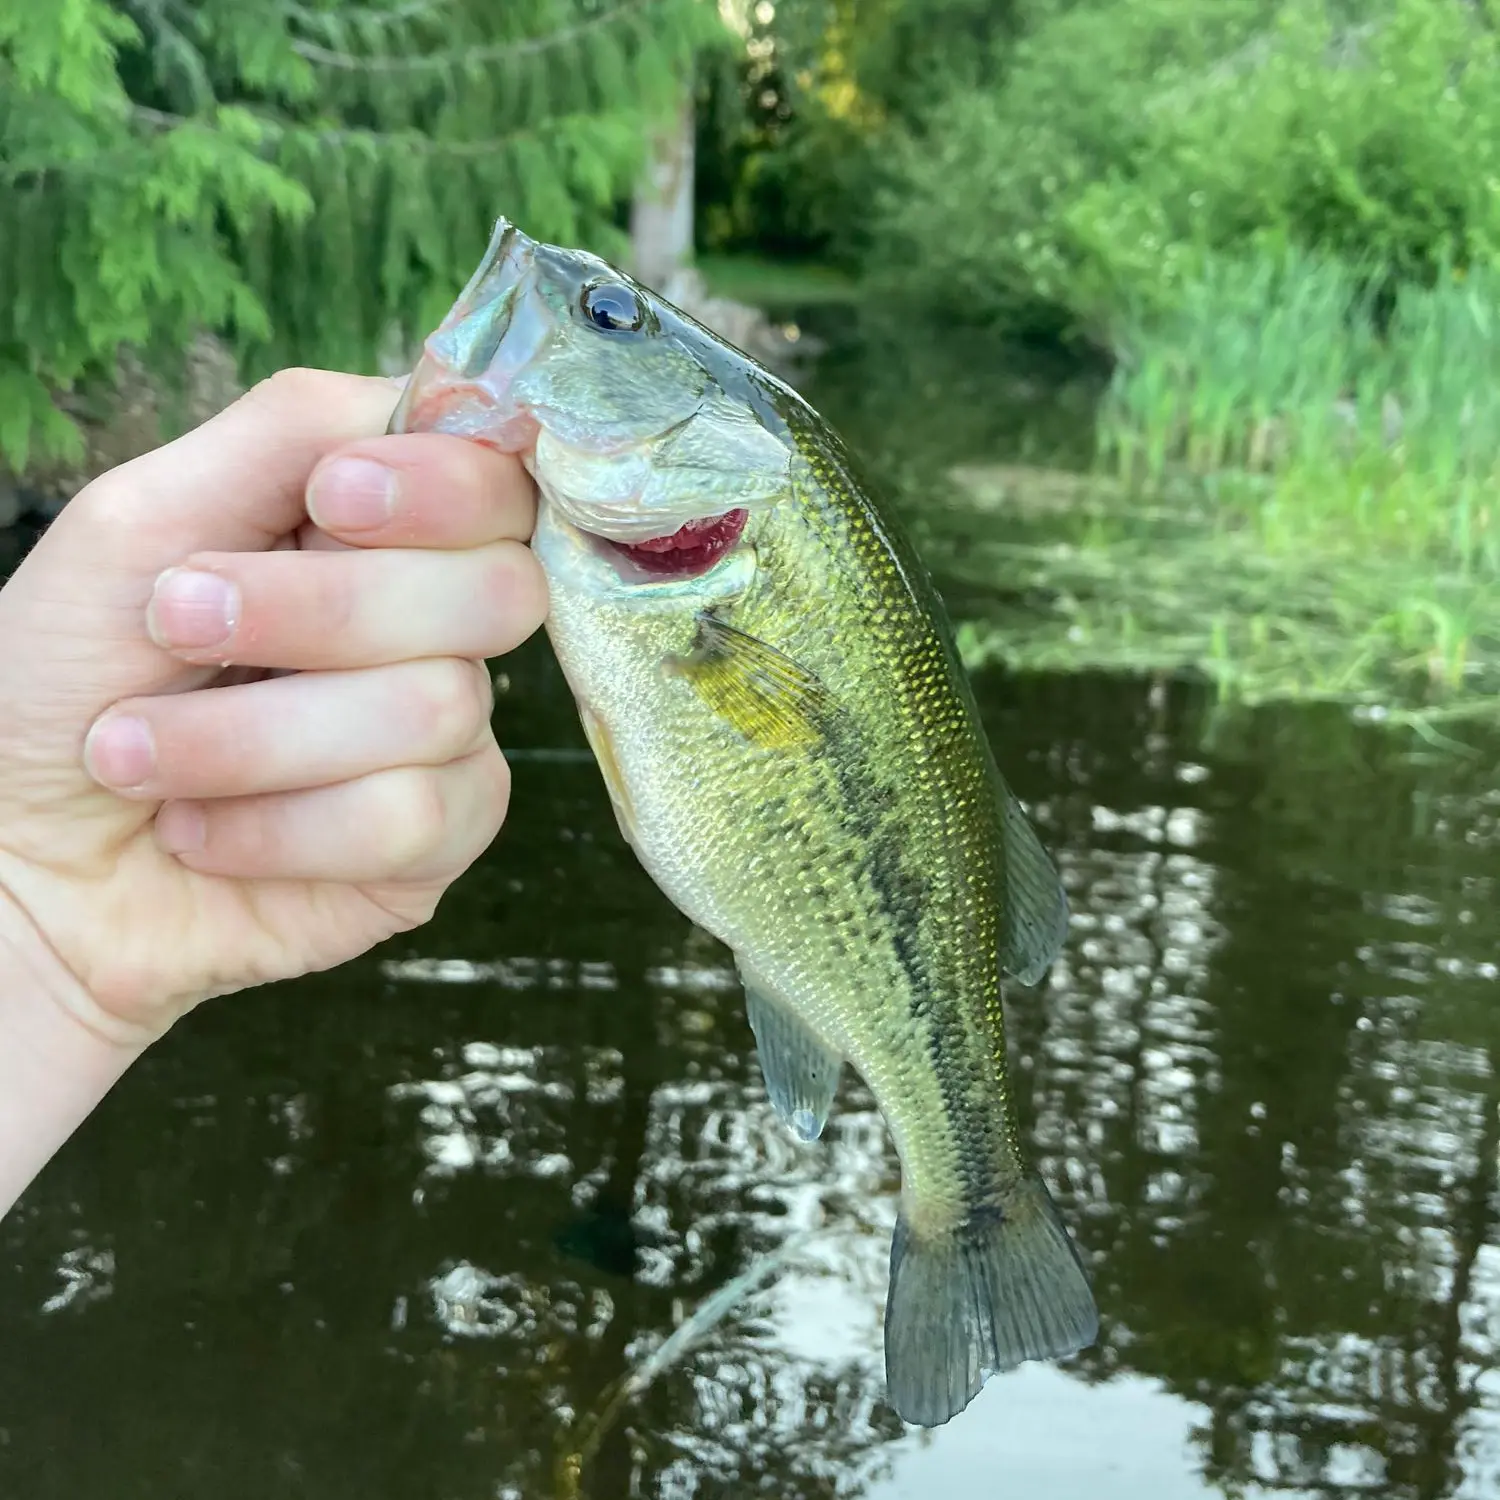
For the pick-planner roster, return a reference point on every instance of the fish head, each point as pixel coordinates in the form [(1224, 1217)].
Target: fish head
[(653, 442)]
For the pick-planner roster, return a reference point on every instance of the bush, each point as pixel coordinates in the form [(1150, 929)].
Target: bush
[(1131, 139)]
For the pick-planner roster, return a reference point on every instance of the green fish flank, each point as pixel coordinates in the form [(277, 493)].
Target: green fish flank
[(793, 751)]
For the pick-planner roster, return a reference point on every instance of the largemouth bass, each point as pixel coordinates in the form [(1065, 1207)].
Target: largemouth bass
[(769, 684)]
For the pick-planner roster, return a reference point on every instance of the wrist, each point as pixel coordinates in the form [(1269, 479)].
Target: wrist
[(59, 1054)]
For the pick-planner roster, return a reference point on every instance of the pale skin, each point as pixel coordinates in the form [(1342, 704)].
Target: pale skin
[(339, 591)]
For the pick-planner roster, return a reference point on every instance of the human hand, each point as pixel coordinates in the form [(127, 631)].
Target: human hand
[(173, 826)]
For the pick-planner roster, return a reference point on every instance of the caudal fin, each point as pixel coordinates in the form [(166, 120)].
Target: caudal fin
[(1007, 1286)]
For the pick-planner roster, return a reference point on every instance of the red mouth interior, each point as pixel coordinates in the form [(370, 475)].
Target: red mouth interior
[(695, 548)]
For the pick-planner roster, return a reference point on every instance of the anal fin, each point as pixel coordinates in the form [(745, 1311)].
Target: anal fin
[(801, 1073)]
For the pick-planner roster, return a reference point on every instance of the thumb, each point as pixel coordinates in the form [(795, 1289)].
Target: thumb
[(72, 617)]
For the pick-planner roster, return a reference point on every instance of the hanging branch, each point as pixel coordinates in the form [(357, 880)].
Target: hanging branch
[(469, 57), (378, 141), (381, 15), (174, 166)]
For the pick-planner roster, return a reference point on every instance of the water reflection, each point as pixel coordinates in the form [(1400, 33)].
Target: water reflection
[(402, 1229), (700, 1179)]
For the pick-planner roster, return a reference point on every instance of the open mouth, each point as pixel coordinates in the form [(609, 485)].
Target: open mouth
[(691, 549)]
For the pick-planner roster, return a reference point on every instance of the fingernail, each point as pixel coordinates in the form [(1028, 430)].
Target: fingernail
[(119, 752), (192, 610), (352, 494), (180, 827)]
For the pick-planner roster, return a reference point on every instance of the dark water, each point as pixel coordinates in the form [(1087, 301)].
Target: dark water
[(395, 1231)]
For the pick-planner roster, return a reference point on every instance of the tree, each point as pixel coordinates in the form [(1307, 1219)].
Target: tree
[(661, 215), (1131, 140), (306, 179), (792, 158)]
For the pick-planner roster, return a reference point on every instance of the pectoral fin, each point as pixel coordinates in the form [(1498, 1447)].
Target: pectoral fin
[(771, 700), (604, 753), (1035, 913), (802, 1075)]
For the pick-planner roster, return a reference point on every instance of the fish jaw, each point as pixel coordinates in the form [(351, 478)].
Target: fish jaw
[(627, 434), (707, 459), (464, 382)]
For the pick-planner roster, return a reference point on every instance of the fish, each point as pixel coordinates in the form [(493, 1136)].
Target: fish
[(769, 684)]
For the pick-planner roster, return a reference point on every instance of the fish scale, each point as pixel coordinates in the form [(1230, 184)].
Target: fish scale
[(944, 824), (793, 751)]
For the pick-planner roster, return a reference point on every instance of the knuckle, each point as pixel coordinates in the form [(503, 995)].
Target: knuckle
[(297, 388), (111, 504), (481, 784), (517, 580), (498, 785), (103, 495), (454, 701), (482, 688), (415, 818)]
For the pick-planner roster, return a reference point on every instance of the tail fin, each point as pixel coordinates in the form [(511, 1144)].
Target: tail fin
[(1004, 1287)]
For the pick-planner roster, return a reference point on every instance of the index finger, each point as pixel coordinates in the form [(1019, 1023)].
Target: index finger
[(235, 484), (421, 489)]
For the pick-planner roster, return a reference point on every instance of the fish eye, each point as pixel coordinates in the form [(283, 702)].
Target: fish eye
[(612, 307)]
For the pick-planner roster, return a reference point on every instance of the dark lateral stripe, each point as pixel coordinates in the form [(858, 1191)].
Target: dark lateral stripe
[(904, 893)]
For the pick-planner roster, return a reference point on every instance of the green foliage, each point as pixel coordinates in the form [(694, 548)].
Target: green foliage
[(311, 180), (794, 157), (1131, 138), (1282, 218), (1298, 498), (1174, 591), (1321, 416)]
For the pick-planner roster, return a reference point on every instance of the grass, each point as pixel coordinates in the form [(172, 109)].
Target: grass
[(1261, 627), (1316, 416), (1296, 491)]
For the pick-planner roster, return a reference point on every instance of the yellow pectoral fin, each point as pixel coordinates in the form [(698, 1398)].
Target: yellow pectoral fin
[(604, 752), (763, 693)]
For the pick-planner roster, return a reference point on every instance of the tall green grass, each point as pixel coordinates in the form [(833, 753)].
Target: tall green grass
[(1305, 499), (1318, 416)]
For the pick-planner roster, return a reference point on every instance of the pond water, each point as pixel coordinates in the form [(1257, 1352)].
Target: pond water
[(398, 1230)]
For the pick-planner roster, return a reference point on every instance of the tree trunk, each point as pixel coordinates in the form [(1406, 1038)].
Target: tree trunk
[(661, 215)]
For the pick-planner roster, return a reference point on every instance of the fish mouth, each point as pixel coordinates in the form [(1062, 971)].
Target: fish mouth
[(689, 551), (469, 338), (466, 383), (470, 361)]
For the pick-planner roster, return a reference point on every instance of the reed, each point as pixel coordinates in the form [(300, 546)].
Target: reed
[(1316, 416)]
